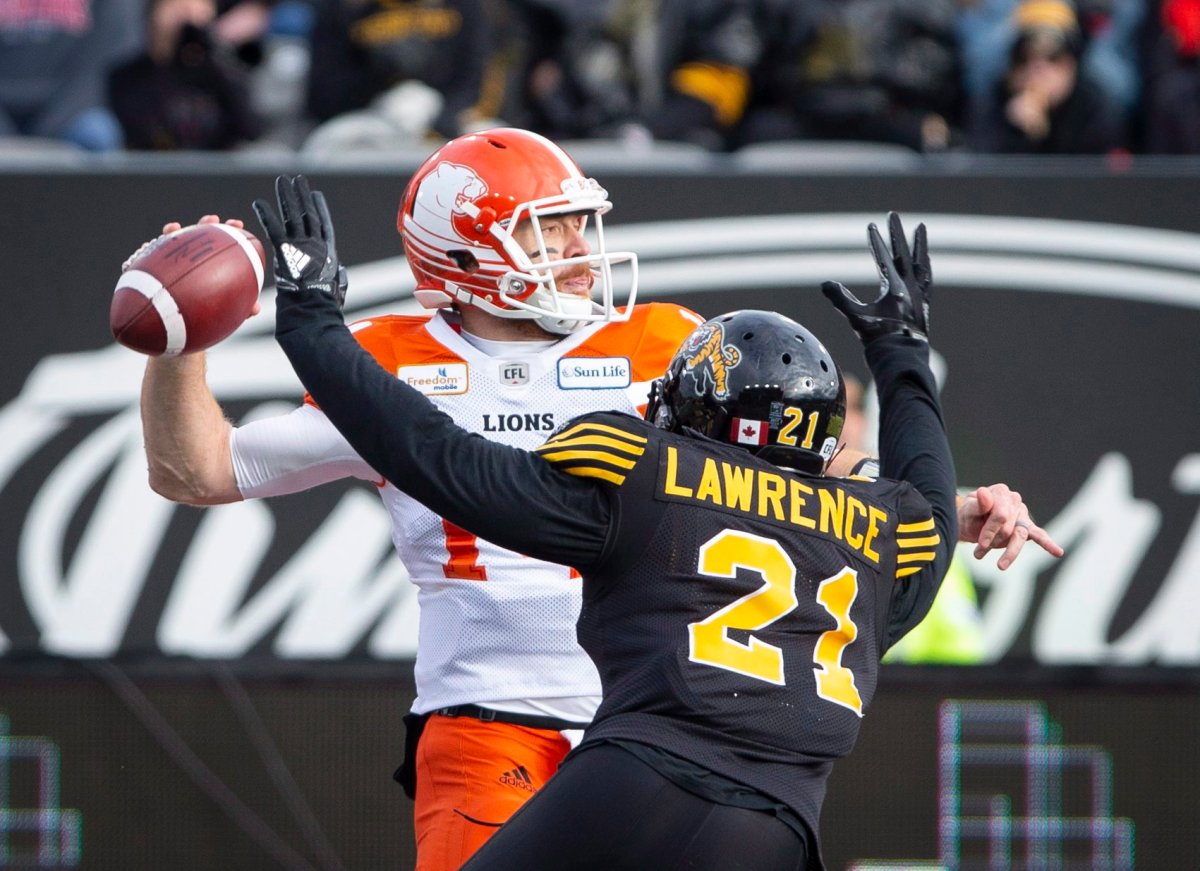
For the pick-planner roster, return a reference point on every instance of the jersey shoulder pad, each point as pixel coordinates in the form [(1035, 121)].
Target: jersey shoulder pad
[(917, 537), (602, 445), (398, 340), (649, 338)]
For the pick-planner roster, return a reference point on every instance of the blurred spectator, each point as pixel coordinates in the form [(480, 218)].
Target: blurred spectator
[(278, 83), (54, 59), (1110, 48), (1046, 103), (1109, 55), (666, 69), (187, 91), (876, 70), (362, 50), (1172, 97)]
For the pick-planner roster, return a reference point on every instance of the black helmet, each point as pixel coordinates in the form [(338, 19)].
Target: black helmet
[(758, 380)]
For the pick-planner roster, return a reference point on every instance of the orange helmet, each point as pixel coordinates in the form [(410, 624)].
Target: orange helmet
[(456, 219)]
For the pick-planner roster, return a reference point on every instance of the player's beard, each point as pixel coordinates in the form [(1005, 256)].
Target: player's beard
[(571, 273)]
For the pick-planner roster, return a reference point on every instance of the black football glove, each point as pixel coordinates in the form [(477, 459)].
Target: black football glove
[(904, 284), (302, 235)]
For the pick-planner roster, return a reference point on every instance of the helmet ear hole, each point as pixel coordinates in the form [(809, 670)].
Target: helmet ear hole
[(787, 359), (464, 260)]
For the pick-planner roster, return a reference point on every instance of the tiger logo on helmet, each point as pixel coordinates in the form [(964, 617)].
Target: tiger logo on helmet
[(711, 359), (755, 366)]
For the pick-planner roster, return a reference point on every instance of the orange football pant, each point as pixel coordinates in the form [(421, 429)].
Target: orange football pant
[(471, 777)]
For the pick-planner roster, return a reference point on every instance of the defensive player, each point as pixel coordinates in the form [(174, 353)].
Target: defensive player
[(500, 675), (736, 601)]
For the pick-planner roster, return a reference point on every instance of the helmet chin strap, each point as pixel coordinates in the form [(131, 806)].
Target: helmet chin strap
[(572, 311), (571, 315)]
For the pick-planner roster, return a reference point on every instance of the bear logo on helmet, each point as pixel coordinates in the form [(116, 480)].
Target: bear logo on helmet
[(442, 195)]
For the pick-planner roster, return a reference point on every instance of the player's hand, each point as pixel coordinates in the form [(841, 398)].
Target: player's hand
[(301, 233), (996, 518), (905, 280)]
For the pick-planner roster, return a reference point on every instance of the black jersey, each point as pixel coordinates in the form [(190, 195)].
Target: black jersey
[(741, 611), (736, 611)]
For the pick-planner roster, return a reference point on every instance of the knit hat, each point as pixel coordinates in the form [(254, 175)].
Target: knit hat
[(1046, 28)]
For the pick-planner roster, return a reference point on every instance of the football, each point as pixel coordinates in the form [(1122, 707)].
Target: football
[(187, 290)]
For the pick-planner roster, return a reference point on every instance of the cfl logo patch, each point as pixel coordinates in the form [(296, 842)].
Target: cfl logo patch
[(514, 374)]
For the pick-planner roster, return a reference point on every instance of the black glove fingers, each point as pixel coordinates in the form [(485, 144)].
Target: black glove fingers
[(901, 256), (888, 279), (270, 221), (904, 274), (283, 196), (921, 267), (841, 297), (290, 209), (325, 222), (308, 210)]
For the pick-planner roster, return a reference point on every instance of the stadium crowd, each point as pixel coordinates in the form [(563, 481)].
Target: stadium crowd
[(985, 76)]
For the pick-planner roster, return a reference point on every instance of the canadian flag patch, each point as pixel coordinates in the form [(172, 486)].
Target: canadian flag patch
[(748, 432)]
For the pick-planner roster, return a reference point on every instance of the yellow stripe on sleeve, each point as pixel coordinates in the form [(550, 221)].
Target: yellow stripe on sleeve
[(924, 556), (910, 528), (597, 427), (593, 441), (927, 541), (905, 572), (556, 457)]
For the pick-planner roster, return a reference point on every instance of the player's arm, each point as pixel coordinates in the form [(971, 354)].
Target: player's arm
[(912, 435), (185, 432), (508, 496), (196, 456)]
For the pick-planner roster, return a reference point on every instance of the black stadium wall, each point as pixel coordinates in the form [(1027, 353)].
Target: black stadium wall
[(184, 688)]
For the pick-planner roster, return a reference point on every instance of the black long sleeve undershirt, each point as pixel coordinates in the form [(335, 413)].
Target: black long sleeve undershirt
[(913, 448)]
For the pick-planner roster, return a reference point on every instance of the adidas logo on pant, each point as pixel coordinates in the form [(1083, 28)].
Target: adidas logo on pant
[(518, 777)]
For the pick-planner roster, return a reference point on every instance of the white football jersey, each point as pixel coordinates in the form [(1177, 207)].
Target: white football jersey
[(496, 628)]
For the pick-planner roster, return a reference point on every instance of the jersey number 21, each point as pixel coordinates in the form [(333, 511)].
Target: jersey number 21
[(720, 557)]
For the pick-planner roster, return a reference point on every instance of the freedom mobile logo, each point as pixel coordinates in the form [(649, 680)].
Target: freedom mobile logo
[(316, 578), (438, 379)]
